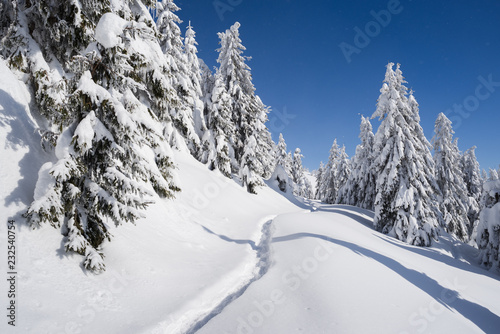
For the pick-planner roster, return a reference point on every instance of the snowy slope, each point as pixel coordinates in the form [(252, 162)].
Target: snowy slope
[(213, 259), (332, 273)]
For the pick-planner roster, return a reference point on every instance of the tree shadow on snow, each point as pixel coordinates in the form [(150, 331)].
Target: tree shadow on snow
[(251, 243), (451, 299), (438, 256)]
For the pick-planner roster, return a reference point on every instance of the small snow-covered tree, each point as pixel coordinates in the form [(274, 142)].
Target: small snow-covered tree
[(493, 175), (319, 180), (488, 235), (343, 173), (298, 174), (361, 185), (297, 169), (473, 182), (282, 155), (404, 167), (453, 199), (328, 188), (249, 170)]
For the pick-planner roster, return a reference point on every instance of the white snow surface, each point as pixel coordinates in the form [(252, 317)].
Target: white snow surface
[(219, 260), (108, 30)]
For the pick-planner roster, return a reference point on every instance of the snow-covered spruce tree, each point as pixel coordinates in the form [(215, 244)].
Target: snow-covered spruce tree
[(250, 170), (361, 185), (249, 114), (298, 174), (220, 127), (186, 98), (343, 173), (488, 228), (473, 182), (195, 75), (404, 167), (282, 155), (297, 169), (114, 146), (319, 180), (329, 187), (207, 144), (493, 175), (453, 201)]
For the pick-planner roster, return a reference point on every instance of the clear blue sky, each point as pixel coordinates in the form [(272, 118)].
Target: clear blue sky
[(299, 69)]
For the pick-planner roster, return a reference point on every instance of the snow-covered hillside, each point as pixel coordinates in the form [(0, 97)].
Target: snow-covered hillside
[(220, 260)]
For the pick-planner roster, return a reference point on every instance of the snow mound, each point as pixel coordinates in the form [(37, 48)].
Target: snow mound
[(108, 30)]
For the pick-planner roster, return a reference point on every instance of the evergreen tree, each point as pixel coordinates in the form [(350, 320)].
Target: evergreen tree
[(342, 175), (404, 167), (473, 182), (207, 83), (250, 168), (493, 175), (221, 128), (282, 155), (319, 180), (297, 169), (453, 201), (249, 114), (195, 75), (183, 96), (329, 187), (360, 187), (488, 237), (112, 144)]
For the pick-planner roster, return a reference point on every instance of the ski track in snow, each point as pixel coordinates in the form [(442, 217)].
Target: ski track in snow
[(262, 265)]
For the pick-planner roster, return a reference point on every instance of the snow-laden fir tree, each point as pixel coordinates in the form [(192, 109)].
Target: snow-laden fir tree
[(360, 187), (221, 128), (186, 98), (484, 175), (297, 169), (194, 71), (298, 174), (281, 155), (249, 114), (453, 200), (250, 170), (404, 204), (112, 145), (207, 82), (319, 177), (343, 173), (329, 187), (493, 175), (487, 232), (473, 182)]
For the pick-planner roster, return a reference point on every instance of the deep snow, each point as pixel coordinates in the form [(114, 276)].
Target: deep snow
[(219, 260)]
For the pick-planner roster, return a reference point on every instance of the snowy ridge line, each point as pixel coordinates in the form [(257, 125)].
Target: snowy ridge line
[(196, 319)]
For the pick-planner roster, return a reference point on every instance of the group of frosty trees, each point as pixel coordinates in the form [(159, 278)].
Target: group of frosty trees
[(412, 192), (118, 90)]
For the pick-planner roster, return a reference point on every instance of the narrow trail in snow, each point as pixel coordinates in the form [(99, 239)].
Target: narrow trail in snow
[(263, 254)]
